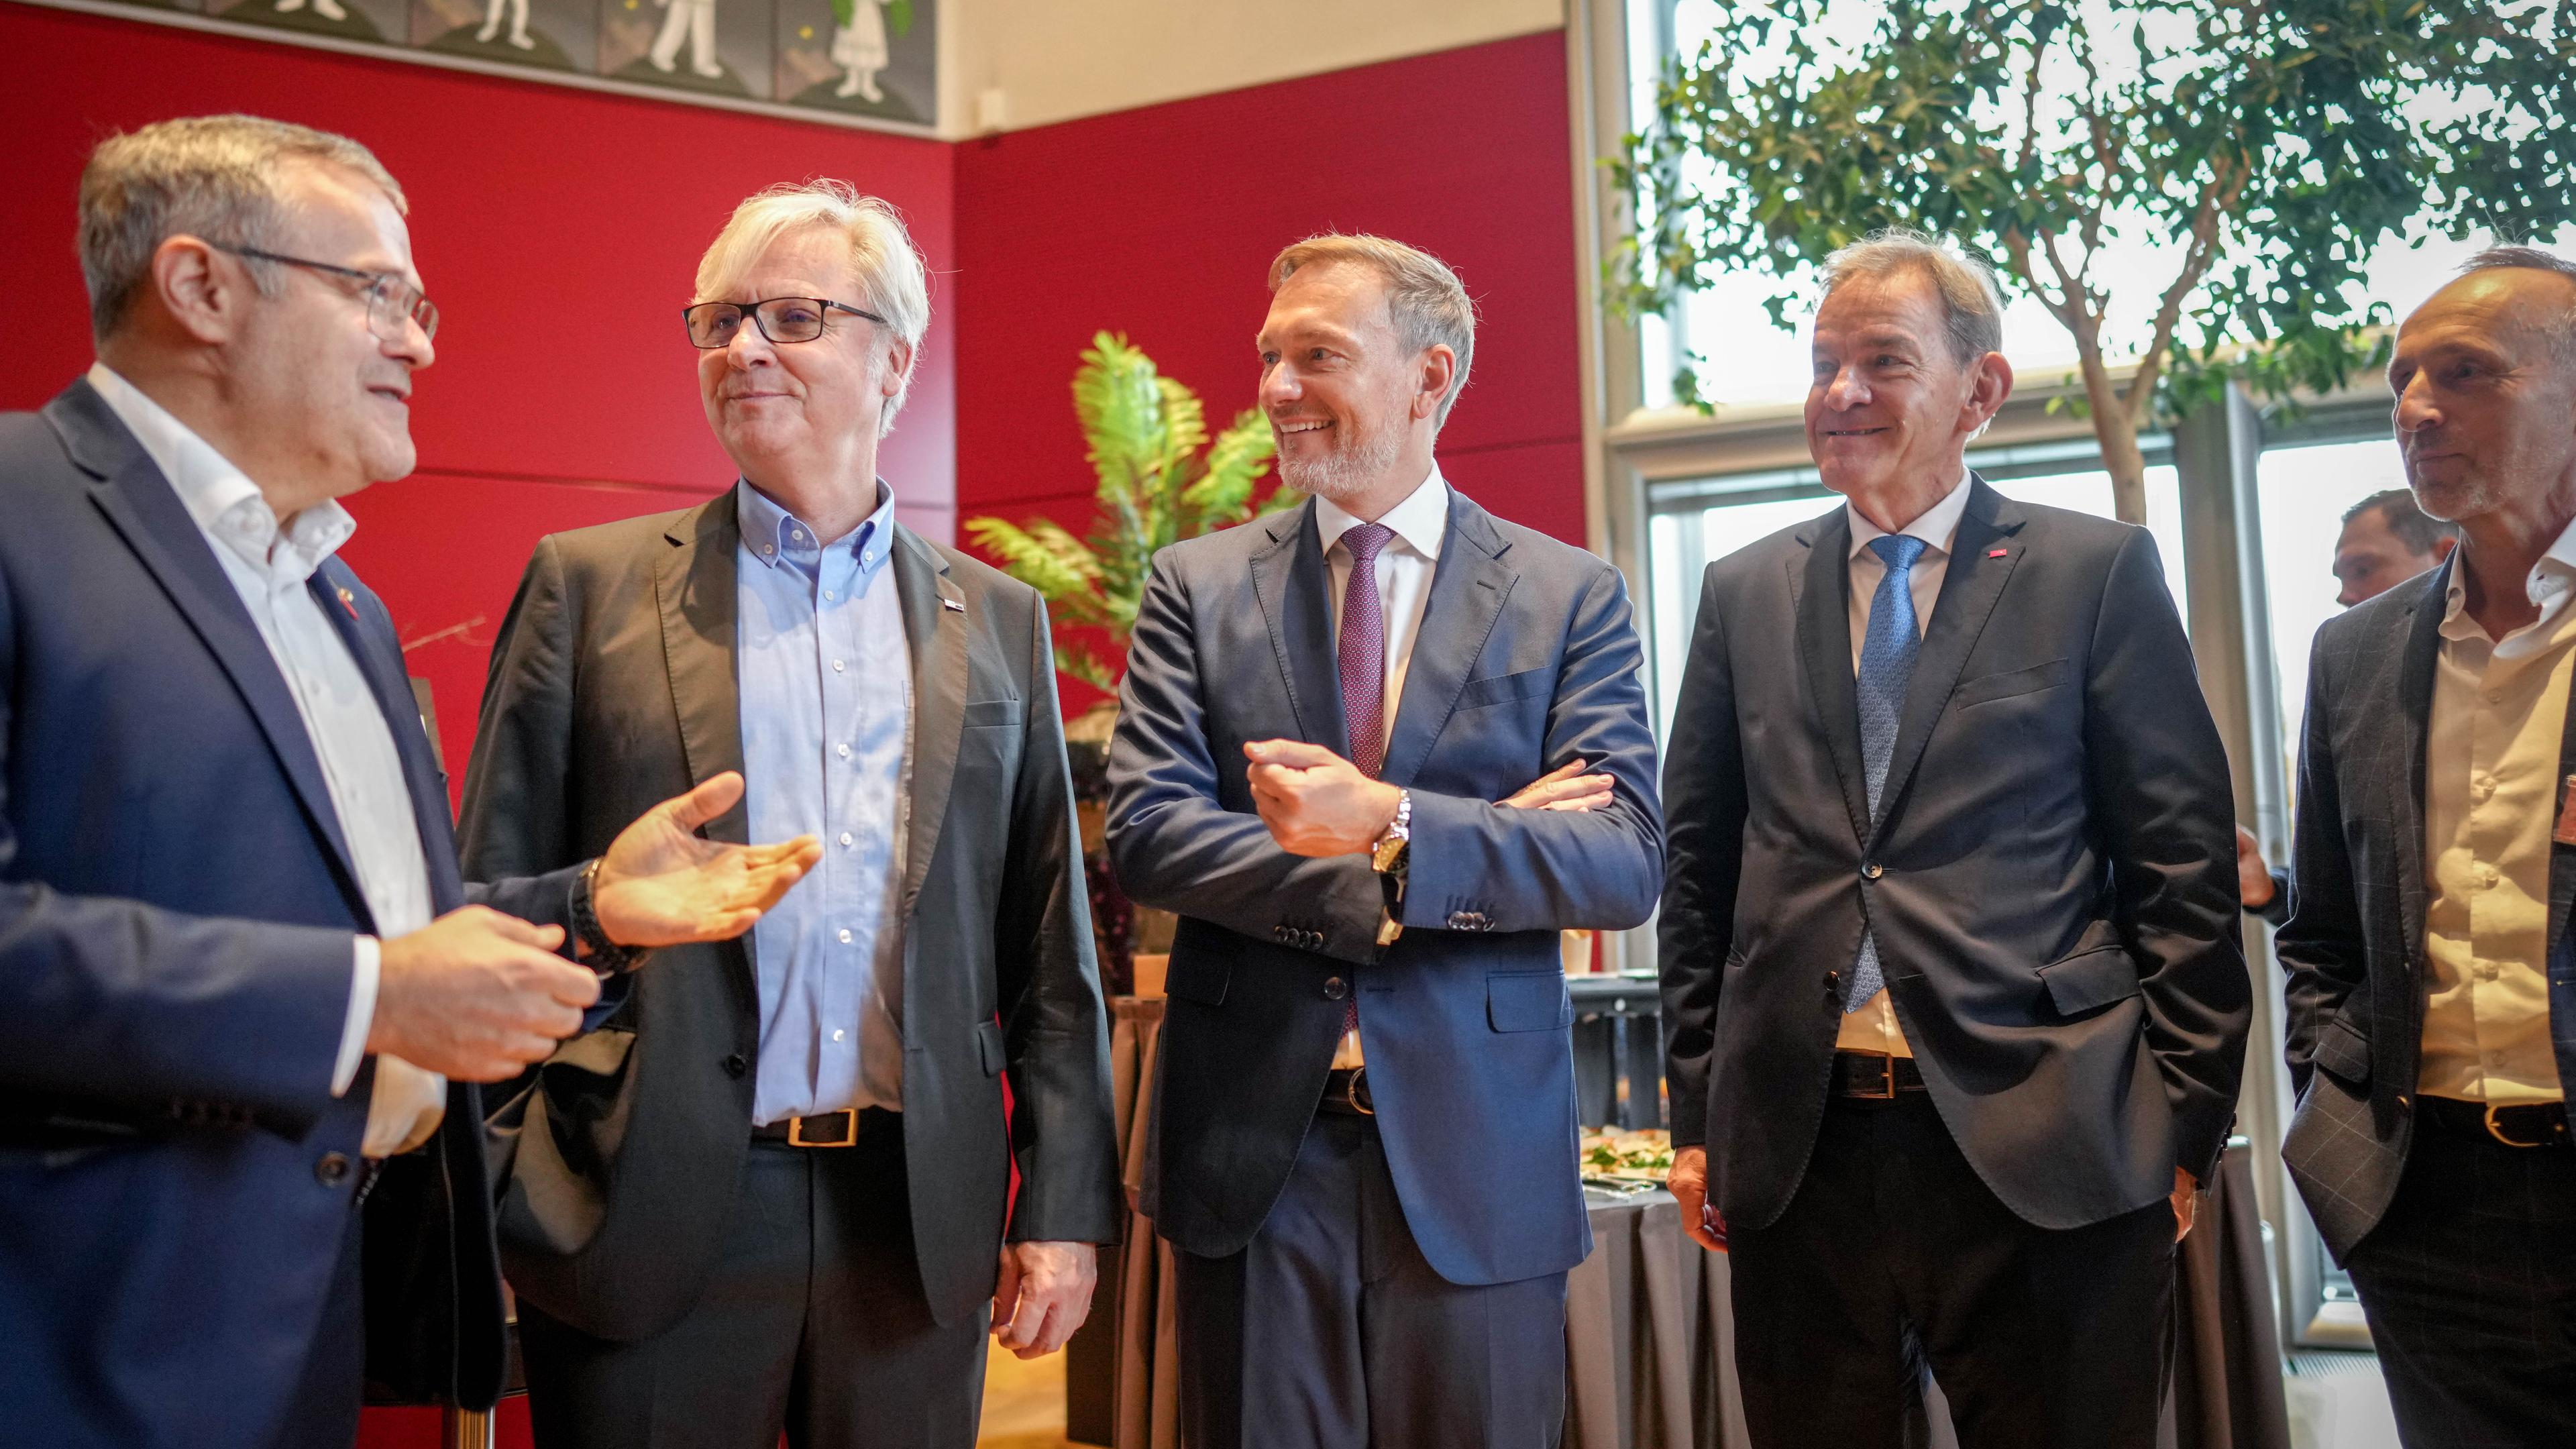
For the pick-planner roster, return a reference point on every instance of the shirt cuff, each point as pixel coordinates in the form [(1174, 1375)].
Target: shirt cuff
[(363, 974)]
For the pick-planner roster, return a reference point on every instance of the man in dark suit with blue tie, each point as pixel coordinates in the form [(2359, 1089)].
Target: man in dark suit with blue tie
[(1364, 1149), (1951, 972), (243, 996)]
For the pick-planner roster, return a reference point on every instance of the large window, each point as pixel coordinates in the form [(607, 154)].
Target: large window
[(2304, 489)]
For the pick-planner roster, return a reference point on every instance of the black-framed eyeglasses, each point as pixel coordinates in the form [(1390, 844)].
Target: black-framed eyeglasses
[(391, 301), (780, 319)]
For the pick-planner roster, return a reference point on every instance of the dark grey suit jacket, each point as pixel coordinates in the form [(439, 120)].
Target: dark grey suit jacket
[(2051, 873), (2354, 945), (612, 688), (1525, 660)]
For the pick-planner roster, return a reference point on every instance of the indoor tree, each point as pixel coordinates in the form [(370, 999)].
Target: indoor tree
[(2270, 145)]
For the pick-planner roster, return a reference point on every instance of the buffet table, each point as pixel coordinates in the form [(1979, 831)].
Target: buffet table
[(1649, 1337)]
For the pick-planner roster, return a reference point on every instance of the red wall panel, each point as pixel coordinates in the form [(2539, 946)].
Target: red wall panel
[(1161, 223)]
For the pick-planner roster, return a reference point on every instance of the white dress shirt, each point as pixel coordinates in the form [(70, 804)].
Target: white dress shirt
[(1404, 570), (1873, 1028), (2491, 799), (269, 567)]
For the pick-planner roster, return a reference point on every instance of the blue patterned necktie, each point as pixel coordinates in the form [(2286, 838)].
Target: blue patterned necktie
[(1887, 657)]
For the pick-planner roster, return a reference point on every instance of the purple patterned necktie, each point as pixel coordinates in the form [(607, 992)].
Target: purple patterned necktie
[(1363, 661), (1363, 649)]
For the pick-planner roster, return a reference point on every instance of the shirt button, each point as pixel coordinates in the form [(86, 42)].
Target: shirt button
[(796, 534), (845, 937), (827, 594), (769, 550), (837, 666), (2495, 696), (837, 1033), (844, 752), (845, 837)]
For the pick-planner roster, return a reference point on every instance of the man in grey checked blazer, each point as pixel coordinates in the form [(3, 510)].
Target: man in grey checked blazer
[(2432, 991)]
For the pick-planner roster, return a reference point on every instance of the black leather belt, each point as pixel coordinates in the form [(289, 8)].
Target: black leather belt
[(1874, 1078), (2529, 1124), (828, 1129), (1346, 1093)]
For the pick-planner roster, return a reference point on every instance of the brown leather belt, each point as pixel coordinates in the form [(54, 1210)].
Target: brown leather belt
[(2528, 1124), (1871, 1077), (1346, 1093), (828, 1129)]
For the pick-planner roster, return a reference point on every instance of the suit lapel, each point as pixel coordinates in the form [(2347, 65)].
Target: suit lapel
[(380, 663), (1468, 588), (145, 510), (2420, 646), (934, 627), (695, 583), (1982, 555), (1296, 594), (1820, 589)]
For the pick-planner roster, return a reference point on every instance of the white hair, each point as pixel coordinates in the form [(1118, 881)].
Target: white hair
[(216, 178), (893, 281), (1972, 309)]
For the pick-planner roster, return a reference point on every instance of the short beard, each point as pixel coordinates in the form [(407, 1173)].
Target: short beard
[(1346, 471)]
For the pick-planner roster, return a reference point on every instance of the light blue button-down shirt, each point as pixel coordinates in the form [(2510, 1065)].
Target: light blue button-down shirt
[(825, 676)]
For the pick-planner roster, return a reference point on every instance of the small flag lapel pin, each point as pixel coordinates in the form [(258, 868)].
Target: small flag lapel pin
[(349, 601), (1997, 552), (948, 603)]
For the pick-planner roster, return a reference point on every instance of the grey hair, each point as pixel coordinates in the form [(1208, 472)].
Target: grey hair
[(893, 281), (2560, 329), (1425, 300), (2413, 527), (1972, 307), (213, 177)]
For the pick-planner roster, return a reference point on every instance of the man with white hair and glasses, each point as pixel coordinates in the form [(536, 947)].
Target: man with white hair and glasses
[(243, 998), (773, 1193), (1376, 752), (1951, 974)]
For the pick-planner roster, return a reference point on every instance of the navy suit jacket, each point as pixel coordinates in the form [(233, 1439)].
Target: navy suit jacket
[(177, 906), (2050, 872), (1526, 659), (2353, 948)]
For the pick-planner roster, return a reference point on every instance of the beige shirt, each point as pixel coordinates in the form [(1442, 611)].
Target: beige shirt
[(2491, 800), (1404, 570), (1873, 1027)]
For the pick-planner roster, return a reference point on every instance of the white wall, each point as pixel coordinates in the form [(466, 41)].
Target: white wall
[(1042, 61)]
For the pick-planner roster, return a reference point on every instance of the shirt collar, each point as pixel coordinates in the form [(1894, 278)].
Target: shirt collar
[(1420, 520), (775, 535), (226, 505), (1937, 526), (2552, 576)]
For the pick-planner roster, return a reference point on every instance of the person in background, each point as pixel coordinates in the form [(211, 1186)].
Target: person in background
[(1950, 968), (243, 991), (1364, 1144), (2431, 1025), (2386, 540), (773, 1193)]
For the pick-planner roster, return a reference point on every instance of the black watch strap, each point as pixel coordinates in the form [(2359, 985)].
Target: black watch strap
[(606, 956)]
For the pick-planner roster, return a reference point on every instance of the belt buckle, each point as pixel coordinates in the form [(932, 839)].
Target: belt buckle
[(2497, 1132), (1887, 1076), (1351, 1092), (849, 1130)]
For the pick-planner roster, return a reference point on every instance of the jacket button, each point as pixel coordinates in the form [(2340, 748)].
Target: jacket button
[(1833, 980), (1335, 989), (735, 1065), (332, 1170), (1871, 870)]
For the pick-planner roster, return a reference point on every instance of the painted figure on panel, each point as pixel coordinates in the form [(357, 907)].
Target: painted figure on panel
[(696, 21), (860, 44)]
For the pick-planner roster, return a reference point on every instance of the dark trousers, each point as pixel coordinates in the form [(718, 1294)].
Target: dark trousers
[(2470, 1284), (813, 1324), (1895, 1255), (1331, 1332)]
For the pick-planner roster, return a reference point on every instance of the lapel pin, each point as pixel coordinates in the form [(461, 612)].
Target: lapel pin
[(948, 603), (349, 601), (1996, 552)]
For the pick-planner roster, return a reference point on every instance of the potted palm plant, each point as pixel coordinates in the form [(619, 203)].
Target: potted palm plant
[(1162, 479)]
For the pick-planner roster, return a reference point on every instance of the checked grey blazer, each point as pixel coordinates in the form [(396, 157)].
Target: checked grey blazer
[(2354, 945)]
